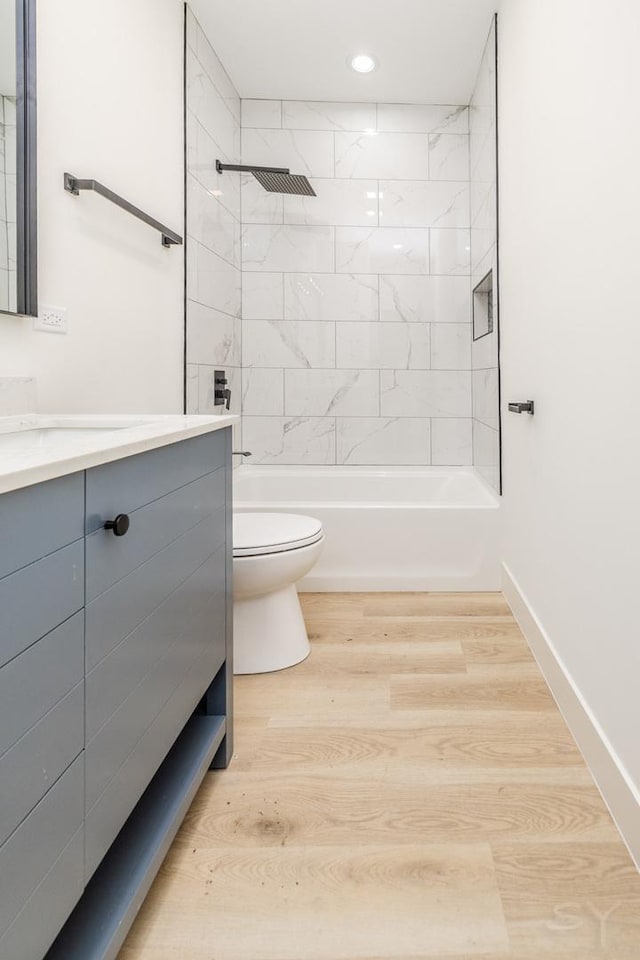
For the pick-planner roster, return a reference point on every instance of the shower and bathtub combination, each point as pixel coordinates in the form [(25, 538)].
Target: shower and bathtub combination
[(351, 311)]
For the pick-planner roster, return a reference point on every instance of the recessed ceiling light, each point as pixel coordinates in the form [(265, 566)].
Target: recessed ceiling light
[(362, 62)]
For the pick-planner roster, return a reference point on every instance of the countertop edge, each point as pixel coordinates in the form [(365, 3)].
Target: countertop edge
[(154, 435)]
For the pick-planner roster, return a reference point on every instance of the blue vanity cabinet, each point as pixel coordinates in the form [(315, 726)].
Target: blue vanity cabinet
[(115, 671), (155, 630)]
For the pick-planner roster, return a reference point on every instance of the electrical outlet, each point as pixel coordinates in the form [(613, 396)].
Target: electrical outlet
[(51, 320)]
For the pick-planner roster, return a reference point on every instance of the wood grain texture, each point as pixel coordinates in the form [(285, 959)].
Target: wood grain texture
[(410, 792)]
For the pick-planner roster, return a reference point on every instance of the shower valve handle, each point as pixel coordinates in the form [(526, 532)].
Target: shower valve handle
[(221, 393), (522, 407)]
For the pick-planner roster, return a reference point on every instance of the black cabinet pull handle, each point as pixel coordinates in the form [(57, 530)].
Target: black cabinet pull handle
[(119, 526)]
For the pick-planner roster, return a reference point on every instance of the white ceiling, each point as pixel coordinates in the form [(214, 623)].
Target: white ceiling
[(429, 50)]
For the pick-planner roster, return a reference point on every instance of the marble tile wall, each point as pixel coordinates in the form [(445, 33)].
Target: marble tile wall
[(483, 197), (356, 337), (8, 264), (214, 325)]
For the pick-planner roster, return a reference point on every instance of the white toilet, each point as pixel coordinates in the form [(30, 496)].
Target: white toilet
[(271, 552)]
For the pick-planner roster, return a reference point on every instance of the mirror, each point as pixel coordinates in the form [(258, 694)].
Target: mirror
[(18, 251)]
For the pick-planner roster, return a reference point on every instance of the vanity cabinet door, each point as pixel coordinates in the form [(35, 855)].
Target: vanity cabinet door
[(155, 618), (41, 712)]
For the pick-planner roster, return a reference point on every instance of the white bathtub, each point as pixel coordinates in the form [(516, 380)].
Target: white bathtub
[(422, 528)]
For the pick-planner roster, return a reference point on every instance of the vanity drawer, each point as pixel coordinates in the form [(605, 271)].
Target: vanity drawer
[(127, 485), (128, 689), (39, 597), (38, 520), (38, 759), (33, 849), (153, 527)]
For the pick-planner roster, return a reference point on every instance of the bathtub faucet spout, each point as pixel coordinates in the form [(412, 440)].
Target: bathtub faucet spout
[(241, 453)]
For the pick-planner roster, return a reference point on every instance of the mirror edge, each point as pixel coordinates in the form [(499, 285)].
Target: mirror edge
[(26, 142)]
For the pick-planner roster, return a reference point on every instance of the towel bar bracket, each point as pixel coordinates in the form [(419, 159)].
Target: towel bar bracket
[(74, 185)]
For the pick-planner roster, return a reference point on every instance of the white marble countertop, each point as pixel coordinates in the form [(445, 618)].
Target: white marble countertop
[(34, 448)]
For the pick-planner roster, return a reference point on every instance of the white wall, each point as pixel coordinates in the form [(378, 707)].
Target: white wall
[(570, 207), (109, 107), (356, 341)]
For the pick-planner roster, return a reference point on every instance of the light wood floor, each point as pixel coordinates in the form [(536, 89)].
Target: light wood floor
[(408, 792)]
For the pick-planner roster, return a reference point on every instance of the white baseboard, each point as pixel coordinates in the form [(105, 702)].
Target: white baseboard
[(389, 584), (618, 792)]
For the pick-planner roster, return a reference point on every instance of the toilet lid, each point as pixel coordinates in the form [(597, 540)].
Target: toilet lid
[(255, 534)]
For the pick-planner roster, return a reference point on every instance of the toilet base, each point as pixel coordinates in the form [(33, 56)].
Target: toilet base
[(269, 632)]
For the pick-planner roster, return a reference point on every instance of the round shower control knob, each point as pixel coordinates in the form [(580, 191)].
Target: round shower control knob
[(119, 526)]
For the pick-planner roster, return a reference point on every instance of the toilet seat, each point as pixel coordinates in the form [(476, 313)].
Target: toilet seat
[(259, 534)]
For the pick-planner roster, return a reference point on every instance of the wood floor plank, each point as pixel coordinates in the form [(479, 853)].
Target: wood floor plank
[(502, 633), (329, 902), (312, 695), (339, 605), (354, 658), (472, 692), (372, 751), (568, 896), (298, 810), (409, 792)]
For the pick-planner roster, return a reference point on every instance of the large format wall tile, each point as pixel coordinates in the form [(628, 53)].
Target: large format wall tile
[(287, 343), (485, 396), (486, 452), (261, 113), (383, 440), (262, 392), (422, 118), (262, 296), (382, 155), (329, 393), (212, 110), (448, 157), (304, 440), (382, 250), (318, 115), (432, 393), (424, 203), (450, 346), (202, 153), (287, 248), (212, 281), (425, 299), (451, 442), (331, 296), (212, 337), (450, 252), (308, 152), (211, 223), (258, 205), (383, 345), (339, 202)]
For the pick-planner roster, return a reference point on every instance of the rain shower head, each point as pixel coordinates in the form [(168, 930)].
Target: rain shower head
[(273, 179)]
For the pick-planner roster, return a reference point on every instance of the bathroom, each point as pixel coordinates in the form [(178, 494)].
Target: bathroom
[(364, 440)]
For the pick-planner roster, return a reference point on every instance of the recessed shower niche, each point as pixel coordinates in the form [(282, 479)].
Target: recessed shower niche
[(483, 307)]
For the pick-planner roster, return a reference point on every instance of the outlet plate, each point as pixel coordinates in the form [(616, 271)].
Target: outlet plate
[(51, 320)]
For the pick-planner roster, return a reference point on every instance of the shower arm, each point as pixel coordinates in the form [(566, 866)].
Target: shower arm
[(243, 168)]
